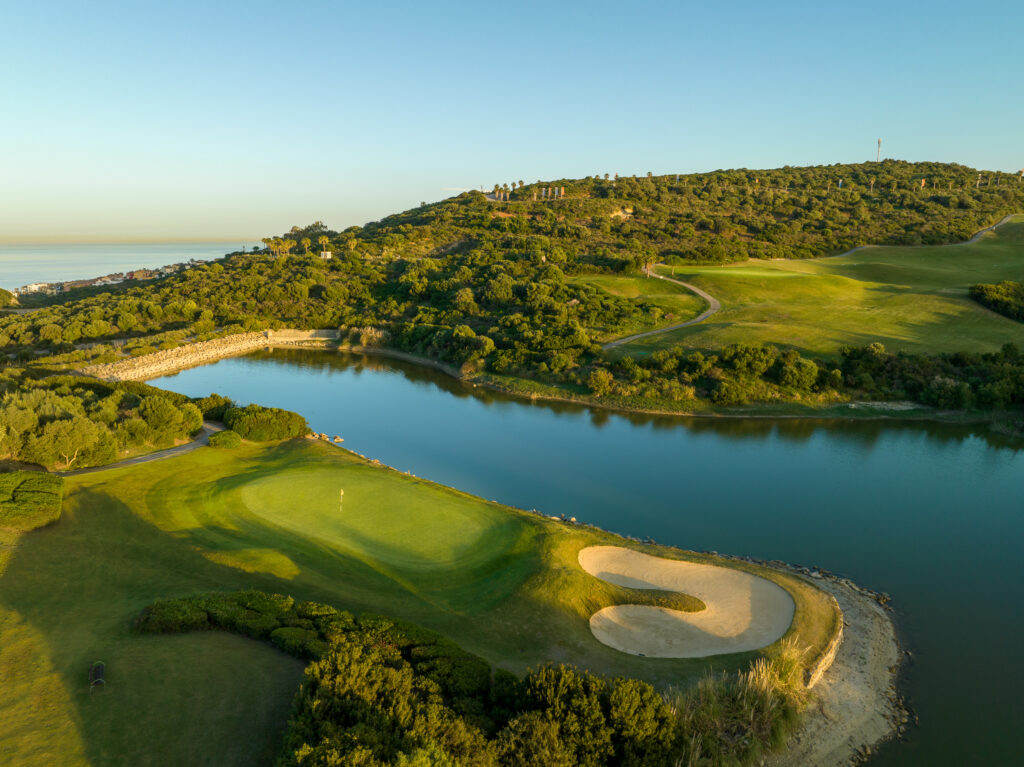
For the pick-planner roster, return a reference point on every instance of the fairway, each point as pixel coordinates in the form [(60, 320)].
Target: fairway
[(504, 584), (912, 299)]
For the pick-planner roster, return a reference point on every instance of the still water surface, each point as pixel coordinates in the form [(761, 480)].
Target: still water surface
[(25, 264), (930, 513)]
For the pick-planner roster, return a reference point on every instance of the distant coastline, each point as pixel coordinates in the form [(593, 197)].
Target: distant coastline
[(24, 264)]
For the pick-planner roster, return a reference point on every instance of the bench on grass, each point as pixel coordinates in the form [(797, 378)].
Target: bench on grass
[(96, 679)]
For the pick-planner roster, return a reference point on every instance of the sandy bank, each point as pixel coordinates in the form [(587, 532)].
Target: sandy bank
[(744, 612), (855, 706)]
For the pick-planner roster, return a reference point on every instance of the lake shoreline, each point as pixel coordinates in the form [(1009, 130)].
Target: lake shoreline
[(201, 353)]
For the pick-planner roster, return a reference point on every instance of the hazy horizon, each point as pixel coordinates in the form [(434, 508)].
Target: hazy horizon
[(196, 122)]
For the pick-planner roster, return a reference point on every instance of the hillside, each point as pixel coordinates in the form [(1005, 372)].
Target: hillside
[(525, 287)]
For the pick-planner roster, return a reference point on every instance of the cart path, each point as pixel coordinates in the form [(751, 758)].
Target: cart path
[(713, 306), (202, 439)]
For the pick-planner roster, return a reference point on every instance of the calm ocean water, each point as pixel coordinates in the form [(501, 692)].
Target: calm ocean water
[(24, 264)]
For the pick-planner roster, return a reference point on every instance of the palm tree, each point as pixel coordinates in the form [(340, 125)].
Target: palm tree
[(306, 242), (323, 239), (287, 245)]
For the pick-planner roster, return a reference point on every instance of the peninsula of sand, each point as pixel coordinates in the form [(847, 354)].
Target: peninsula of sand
[(853, 705)]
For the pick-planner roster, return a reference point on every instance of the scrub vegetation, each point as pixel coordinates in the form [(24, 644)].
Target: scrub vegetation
[(315, 522)]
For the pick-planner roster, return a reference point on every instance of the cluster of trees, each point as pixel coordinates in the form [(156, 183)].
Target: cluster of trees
[(71, 422), (264, 424), (741, 373), (1007, 298), (29, 499), (957, 381), (381, 692)]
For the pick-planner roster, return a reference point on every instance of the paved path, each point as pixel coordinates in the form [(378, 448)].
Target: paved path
[(713, 306), (203, 438)]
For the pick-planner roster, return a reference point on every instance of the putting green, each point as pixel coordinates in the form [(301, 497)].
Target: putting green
[(379, 523), (502, 583)]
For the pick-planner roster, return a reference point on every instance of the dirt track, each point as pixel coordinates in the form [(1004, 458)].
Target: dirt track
[(713, 306)]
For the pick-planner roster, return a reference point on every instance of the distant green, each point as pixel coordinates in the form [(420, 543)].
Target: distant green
[(909, 299)]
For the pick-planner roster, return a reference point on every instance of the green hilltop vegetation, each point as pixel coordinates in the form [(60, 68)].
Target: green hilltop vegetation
[(203, 541), (521, 292)]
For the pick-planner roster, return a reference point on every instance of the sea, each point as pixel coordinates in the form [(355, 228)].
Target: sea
[(24, 264)]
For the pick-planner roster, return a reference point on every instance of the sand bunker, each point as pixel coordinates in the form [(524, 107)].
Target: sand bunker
[(744, 612)]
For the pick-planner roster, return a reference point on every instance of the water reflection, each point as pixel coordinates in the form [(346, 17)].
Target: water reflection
[(928, 512), (865, 432)]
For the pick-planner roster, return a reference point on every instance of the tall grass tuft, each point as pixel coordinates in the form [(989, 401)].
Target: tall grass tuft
[(735, 719)]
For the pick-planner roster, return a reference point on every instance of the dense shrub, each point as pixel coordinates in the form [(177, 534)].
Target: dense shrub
[(227, 439), (1007, 298), (213, 407), (265, 424)]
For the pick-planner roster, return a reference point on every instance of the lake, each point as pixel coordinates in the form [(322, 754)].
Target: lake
[(25, 264), (929, 513)]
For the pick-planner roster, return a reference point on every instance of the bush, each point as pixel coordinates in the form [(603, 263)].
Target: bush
[(299, 642), (213, 407), (265, 424), (173, 616), (225, 439)]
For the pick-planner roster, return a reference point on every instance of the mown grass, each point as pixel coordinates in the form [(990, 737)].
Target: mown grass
[(504, 584), (913, 299), (676, 303)]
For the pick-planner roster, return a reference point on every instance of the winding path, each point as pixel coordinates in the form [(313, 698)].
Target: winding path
[(713, 306), (201, 439)]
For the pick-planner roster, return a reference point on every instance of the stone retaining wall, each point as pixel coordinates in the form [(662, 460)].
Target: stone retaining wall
[(200, 353), (817, 671)]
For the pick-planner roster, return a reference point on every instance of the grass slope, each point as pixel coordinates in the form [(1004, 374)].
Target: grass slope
[(502, 583), (676, 303), (913, 299)]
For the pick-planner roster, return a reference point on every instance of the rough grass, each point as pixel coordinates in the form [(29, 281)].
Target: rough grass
[(504, 584), (29, 499), (913, 299)]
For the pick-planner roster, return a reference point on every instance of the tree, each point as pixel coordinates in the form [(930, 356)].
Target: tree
[(323, 241), (531, 740), (600, 381), (306, 242)]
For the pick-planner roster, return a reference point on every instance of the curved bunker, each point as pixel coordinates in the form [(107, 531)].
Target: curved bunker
[(744, 612)]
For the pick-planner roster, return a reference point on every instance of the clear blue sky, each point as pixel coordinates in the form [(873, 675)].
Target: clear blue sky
[(189, 120)]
